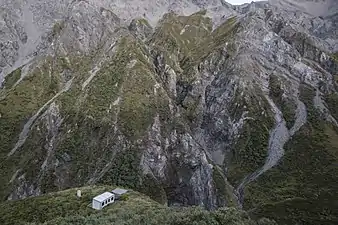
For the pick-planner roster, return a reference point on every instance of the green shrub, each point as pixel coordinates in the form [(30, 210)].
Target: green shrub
[(332, 102), (12, 78), (124, 197)]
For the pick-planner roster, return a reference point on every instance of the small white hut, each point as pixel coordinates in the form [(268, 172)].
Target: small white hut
[(102, 200)]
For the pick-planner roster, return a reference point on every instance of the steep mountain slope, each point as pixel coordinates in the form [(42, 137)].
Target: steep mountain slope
[(227, 106)]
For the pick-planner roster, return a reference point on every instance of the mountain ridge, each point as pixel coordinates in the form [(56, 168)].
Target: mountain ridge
[(65, 207)]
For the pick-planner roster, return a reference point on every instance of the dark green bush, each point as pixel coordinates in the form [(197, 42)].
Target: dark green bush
[(124, 197)]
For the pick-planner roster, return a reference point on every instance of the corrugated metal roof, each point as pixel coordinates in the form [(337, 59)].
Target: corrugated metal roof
[(102, 197), (119, 191)]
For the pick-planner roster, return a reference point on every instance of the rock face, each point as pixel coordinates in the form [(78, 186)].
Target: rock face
[(192, 102), (312, 7)]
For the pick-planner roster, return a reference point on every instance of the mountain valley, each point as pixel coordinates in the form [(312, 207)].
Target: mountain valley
[(193, 103)]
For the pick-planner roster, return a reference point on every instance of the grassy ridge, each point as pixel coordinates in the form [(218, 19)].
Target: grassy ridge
[(65, 208)]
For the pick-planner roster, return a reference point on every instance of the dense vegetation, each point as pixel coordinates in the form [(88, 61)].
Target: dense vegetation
[(285, 105), (302, 191), (12, 78), (64, 208), (250, 151)]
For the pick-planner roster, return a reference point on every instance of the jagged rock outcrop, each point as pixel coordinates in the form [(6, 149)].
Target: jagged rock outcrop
[(192, 102)]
